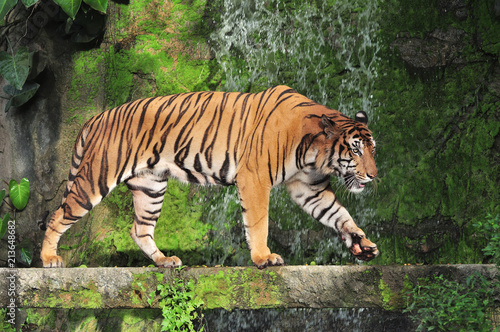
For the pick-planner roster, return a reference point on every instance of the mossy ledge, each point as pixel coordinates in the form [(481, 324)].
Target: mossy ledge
[(224, 287)]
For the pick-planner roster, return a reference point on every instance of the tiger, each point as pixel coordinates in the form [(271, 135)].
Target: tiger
[(255, 141)]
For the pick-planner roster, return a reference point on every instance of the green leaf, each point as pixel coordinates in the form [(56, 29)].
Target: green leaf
[(2, 195), (5, 6), (19, 97), (99, 5), (19, 193), (15, 69), (26, 256), (29, 3), (70, 7), (3, 225)]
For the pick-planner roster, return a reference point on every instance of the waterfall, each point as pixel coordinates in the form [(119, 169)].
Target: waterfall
[(327, 52)]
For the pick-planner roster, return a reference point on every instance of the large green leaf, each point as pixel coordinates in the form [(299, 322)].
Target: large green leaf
[(29, 3), (100, 5), (19, 193), (15, 69), (70, 7), (5, 6), (3, 225), (19, 97)]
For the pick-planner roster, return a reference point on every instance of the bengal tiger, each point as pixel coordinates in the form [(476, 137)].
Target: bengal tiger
[(252, 140)]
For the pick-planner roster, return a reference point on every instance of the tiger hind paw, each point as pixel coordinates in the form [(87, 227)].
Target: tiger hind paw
[(172, 262), (52, 261), (271, 260)]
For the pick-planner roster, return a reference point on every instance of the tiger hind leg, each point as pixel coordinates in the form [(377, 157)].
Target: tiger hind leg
[(148, 191), (74, 206)]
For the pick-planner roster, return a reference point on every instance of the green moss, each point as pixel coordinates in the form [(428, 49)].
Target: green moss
[(82, 298), (144, 287), (42, 317), (395, 300), (248, 288), (87, 78)]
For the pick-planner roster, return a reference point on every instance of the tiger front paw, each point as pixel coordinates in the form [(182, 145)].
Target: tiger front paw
[(52, 261), (268, 260), (362, 248)]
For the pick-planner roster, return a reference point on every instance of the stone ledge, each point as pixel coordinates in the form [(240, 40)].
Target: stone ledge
[(224, 287)]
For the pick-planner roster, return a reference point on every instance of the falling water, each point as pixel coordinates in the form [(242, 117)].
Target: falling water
[(326, 52)]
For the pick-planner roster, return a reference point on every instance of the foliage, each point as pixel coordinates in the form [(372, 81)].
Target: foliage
[(70, 7), (489, 229), (179, 306), (439, 304), (5, 6), (436, 131), (4, 324), (19, 194), (15, 69)]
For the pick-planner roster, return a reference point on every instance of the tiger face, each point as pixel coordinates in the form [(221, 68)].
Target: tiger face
[(352, 149)]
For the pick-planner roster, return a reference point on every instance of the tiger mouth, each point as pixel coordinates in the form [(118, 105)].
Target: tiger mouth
[(353, 184)]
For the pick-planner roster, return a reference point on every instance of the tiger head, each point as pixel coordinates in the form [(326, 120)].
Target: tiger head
[(349, 150)]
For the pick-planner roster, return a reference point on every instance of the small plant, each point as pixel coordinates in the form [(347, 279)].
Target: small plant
[(179, 306), (439, 304), (490, 230)]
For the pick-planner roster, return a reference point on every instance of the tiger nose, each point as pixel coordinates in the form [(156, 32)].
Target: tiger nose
[(371, 175)]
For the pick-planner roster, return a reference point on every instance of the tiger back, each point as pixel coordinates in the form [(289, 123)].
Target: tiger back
[(253, 141)]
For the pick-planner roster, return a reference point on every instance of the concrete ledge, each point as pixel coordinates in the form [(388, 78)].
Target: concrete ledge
[(227, 287)]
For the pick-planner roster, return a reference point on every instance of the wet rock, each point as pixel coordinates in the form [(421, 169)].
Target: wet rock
[(438, 49)]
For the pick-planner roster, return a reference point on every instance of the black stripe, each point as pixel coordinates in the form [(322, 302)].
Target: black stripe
[(144, 111), (269, 166), (144, 235), (190, 176), (148, 192), (325, 210), (197, 163), (183, 154), (224, 169), (153, 212), (315, 195), (156, 155)]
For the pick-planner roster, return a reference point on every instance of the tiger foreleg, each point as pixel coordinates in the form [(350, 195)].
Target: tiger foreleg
[(148, 192), (319, 201), (254, 199)]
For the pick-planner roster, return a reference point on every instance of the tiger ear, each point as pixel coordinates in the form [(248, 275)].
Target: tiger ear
[(362, 117), (328, 126)]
